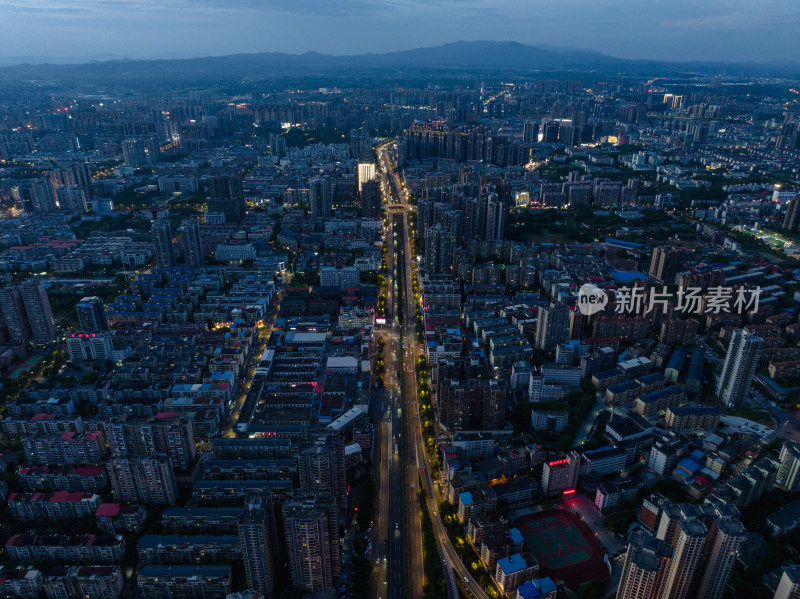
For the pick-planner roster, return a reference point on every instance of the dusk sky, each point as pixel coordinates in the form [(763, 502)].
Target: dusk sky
[(730, 30)]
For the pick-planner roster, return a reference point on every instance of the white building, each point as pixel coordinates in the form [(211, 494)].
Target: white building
[(83, 347), (570, 353), (740, 364), (539, 390), (354, 318), (560, 475), (339, 277), (366, 172), (549, 420), (789, 469), (569, 376), (234, 252), (789, 585), (513, 570)]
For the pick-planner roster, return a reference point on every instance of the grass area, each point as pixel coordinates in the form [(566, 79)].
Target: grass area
[(618, 522), (366, 503), (108, 224), (748, 582), (759, 416), (362, 570), (300, 138), (63, 307), (303, 278), (435, 587)]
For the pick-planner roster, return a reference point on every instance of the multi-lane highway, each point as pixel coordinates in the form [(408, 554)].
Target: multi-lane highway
[(415, 456), (389, 532)]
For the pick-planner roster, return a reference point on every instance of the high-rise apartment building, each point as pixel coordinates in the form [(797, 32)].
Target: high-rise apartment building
[(38, 196), (644, 571), (259, 543), (71, 197), (791, 221), (789, 584), (687, 556), (92, 314), (723, 548), (789, 469), (191, 242), (162, 241), (496, 211), (322, 470), (64, 448), (143, 479), (320, 196), (366, 172), (312, 543), (530, 132), (706, 540), (371, 199), (578, 323), (473, 404), (172, 436), (552, 326), (37, 311), (740, 365), (135, 152), (666, 263), (439, 246), (226, 195), (14, 313)]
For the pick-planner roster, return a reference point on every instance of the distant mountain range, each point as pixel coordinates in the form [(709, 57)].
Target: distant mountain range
[(476, 55)]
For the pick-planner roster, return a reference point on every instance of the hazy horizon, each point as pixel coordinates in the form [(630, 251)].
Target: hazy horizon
[(682, 31)]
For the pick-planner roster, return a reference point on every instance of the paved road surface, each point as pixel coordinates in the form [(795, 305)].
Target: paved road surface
[(587, 512), (411, 406)]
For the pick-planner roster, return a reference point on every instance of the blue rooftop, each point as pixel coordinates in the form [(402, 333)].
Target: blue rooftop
[(546, 584), (515, 535), (627, 277), (623, 386), (698, 355), (772, 384), (622, 243), (528, 590), (607, 374), (689, 465), (513, 563), (677, 359), (661, 393)]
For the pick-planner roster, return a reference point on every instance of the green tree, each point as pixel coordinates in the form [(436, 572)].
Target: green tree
[(593, 589), (618, 522)]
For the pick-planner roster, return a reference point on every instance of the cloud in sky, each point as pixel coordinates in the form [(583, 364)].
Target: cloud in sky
[(677, 30)]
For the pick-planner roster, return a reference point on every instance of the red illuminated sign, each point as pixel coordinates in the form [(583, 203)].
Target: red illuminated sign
[(569, 492), (558, 462)]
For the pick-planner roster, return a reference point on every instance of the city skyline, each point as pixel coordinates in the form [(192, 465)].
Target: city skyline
[(680, 31), (477, 320)]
